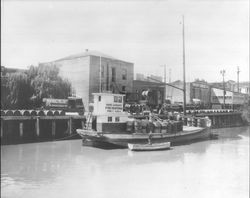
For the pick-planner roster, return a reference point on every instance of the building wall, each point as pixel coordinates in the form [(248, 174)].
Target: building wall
[(155, 97), (234, 98), (77, 72), (106, 78), (176, 95), (84, 75), (139, 77), (201, 91)]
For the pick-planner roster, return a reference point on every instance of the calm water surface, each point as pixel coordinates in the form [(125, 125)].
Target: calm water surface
[(212, 168)]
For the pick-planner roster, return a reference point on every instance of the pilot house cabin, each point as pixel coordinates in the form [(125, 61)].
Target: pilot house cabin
[(108, 114)]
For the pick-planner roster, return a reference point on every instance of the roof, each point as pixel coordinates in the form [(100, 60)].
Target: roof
[(88, 53), (107, 94), (148, 83)]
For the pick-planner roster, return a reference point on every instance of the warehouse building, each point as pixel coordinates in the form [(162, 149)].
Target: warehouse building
[(92, 72), (150, 93), (197, 92), (232, 99), (205, 95)]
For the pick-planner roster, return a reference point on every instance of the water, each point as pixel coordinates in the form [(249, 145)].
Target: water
[(212, 168)]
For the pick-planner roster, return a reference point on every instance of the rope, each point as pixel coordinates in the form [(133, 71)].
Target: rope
[(65, 137)]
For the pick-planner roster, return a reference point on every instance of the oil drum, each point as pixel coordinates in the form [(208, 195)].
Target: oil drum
[(137, 126), (130, 126), (157, 128)]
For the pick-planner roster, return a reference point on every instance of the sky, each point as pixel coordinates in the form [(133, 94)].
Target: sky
[(145, 32)]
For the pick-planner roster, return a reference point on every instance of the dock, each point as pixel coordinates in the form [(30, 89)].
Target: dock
[(23, 126)]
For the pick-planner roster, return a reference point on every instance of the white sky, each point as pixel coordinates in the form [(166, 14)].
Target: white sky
[(147, 33)]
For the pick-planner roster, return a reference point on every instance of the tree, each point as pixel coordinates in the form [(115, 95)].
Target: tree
[(47, 83), (18, 91), (23, 90)]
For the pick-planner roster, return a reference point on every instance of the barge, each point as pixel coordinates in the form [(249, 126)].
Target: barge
[(108, 123)]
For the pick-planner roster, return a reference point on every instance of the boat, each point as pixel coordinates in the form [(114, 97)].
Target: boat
[(108, 123), (149, 147)]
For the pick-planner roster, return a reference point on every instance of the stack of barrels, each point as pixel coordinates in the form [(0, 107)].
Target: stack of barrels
[(146, 126)]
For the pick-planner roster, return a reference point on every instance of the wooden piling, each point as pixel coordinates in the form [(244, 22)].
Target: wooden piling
[(1, 128), (37, 127), (70, 125), (214, 121), (53, 128), (21, 129)]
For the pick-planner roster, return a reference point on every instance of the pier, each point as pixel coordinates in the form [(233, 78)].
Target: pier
[(23, 126), (224, 119)]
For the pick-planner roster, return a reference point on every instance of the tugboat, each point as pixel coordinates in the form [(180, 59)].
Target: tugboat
[(108, 123)]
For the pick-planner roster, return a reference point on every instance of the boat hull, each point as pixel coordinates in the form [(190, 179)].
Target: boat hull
[(149, 147), (123, 139)]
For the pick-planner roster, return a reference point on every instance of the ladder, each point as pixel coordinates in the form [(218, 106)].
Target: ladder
[(88, 121)]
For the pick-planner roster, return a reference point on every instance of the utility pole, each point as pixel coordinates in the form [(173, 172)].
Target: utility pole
[(164, 82), (184, 75), (238, 83), (223, 74), (169, 80)]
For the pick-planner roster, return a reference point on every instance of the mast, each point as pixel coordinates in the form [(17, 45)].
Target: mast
[(184, 69)]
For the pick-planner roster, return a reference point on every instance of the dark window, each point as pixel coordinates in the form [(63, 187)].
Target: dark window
[(124, 74), (118, 99), (99, 98), (123, 88), (107, 78), (117, 119), (109, 119), (113, 74), (79, 102), (72, 104), (102, 71)]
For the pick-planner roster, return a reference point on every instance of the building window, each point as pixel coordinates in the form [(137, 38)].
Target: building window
[(107, 77), (102, 71), (123, 88), (99, 98), (109, 119), (113, 74), (124, 74), (117, 119)]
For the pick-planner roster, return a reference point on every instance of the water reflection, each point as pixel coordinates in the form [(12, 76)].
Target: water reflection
[(68, 166)]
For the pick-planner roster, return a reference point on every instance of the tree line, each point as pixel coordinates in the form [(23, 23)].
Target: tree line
[(26, 89)]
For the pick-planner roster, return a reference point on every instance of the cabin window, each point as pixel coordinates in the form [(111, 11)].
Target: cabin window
[(99, 98), (117, 119), (118, 99), (109, 119)]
